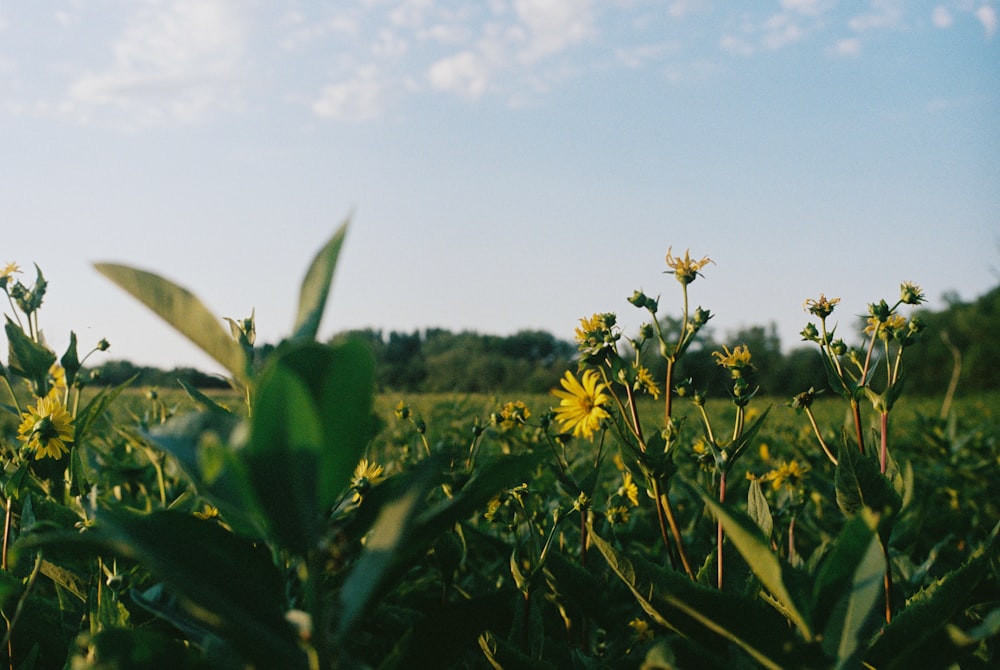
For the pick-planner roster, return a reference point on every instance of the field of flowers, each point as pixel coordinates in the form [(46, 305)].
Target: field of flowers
[(303, 520)]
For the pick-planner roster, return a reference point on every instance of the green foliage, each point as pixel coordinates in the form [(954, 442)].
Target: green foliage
[(304, 520)]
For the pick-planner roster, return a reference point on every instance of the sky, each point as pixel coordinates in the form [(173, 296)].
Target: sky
[(505, 164)]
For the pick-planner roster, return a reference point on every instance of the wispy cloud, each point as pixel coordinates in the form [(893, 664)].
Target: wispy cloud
[(174, 61), (988, 17), (941, 17), (883, 14), (358, 98)]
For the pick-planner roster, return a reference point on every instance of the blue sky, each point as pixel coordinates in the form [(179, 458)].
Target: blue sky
[(510, 164)]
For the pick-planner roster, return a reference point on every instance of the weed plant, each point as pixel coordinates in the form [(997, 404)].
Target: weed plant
[(622, 521)]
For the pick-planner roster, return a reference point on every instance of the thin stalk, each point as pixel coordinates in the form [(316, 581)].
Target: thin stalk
[(675, 529), (819, 436), (661, 518), (8, 515), (859, 433), (883, 452), (718, 530)]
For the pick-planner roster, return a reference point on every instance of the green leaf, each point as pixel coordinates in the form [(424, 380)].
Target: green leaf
[(202, 400), (226, 582), (316, 286), (28, 359), (312, 419), (933, 606), (707, 616), (847, 588), (746, 437), (283, 458), (182, 310), (70, 360), (392, 529), (758, 509), (205, 446), (776, 575), (859, 483)]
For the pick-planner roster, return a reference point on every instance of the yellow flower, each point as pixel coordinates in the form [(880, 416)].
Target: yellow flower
[(47, 429), (641, 629), (644, 381), (617, 515), (789, 474), (685, 269), (822, 307), (891, 324), (366, 472), (581, 409), (629, 489), (10, 269), (57, 382), (512, 414), (736, 359)]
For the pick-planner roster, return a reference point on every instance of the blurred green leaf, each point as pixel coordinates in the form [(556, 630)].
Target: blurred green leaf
[(182, 310), (312, 420), (203, 401), (847, 588), (316, 286), (392, 529), (282, 457), (226, 582)]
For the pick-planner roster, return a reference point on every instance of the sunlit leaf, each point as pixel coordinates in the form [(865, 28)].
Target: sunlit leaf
[(184, 311), (316, 286)]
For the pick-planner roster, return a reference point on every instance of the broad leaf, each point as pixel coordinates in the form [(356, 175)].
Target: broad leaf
[(933, 606), (182, 310), (776, 575), (316, 287), (707, 616), (27, 358), (847, 588), (860, 483)]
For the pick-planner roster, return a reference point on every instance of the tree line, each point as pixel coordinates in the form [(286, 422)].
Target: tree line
[(960, 337)]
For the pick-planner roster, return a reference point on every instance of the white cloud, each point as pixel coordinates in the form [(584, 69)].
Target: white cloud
[(988, 17), (553, 25), (779, 31), (635, 57), (737, 46), (884, 14), (681, 8), (850, 46), (175, 61), (941, 17), (803, 6), (360, 98), (465, 73)]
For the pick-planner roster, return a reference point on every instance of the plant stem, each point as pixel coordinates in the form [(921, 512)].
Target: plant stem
[(675, 529), (661, 518), (718, 531), (883, 452), (819, 436), (856, 410)]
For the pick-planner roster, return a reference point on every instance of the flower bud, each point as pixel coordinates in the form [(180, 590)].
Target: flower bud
[(810, 333), (103, 345), (701, 316), (910, 294), (638, 299)]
